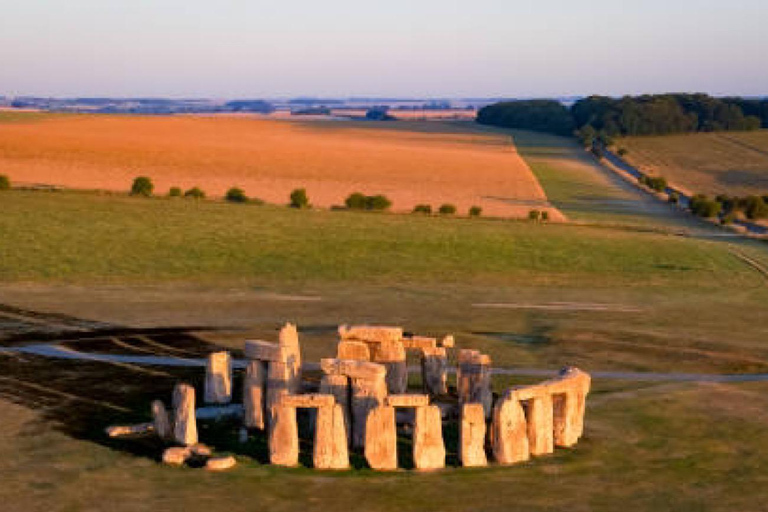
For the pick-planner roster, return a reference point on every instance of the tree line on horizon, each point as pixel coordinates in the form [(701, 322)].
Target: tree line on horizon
[(659, 114)]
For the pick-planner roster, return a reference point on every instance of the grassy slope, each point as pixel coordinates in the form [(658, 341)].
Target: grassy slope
[(711, 163)]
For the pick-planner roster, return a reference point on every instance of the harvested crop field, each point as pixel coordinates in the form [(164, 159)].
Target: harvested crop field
[(409, 162)]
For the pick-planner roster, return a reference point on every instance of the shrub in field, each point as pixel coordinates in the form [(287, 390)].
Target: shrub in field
[(358, 201), (475, 211), (728, 218), (545, 216), (299, 199), (622, 152), (355, 201), (5, 182), (534, 215), (674, 198), (142, 186), (447, 209), (755, 208), (422, 208), (195, 193), (702, 206), (174, 192), (657, 183), (236, 195)]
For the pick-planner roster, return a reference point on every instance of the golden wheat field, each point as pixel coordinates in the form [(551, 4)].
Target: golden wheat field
[(409, 162)]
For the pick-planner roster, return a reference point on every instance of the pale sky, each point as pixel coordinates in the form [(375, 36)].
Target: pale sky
[(341, 48)]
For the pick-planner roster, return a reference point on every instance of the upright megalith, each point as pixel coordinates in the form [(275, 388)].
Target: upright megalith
[(434, 371), (569, 405), (278, 383), (353, 350), (428, 446), (330, 448), (283, 436), (381, 439), (472, 432), (338, 386), (509, 430), (289, 340), (391, 354), (184, 420), (254, 399), (218, 378), (161, 421), (473, 379)]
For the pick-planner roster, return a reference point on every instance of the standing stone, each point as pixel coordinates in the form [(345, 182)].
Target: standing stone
[(353, 350), (428, 446), (218, 378), (367, 394), (391, 354), (509, 435), (541, 424), (434, 371), (278, 376), (464, 374), (474, 379), (472, 436), (338, 386), (184, 420), (289, 339), (254, 389), (381, 439), (330, 449), (569, 407), (161, 421), (284, 437)]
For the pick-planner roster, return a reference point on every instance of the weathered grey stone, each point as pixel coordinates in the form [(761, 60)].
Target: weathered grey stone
[(161, 421), (219, 412), (184, 419), (254, 391), (289, 339), (367, 394), (308, 401), (338, 386), (353, 369), (428, 446), (220, 463), (434, 371), (139, 429), (330, 448), (381, 439), (218, 378), (265, 351), (474, 379), (371, 333), (353, 350), (509, 435), (283, 437), (472, 436), (406, 400)]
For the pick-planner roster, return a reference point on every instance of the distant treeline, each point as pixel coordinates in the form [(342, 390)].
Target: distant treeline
[(631, 115)]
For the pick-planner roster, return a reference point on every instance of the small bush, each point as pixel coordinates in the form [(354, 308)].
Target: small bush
[(728, 218), (299, 199), (544, 216), (622, 152), (358, 201), (702, 206), (236, 195), (755, 208), (355, 201), (657, 183), (174, 192), (534, 215), (5, 182), (674, 198), (142, 186), (447, 209), (195, 193), (422, 208), (475, 211)]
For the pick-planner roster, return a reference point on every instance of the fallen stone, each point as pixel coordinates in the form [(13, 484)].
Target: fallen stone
[(184, 420), (406, 400), (161, 421), (220, 463), (371, 333), (200, 450), (381, 439), (509, 435), (472, 436), (367, 394), (353, 350), (254, 390), (176, 456), (218, 378), (308, 401), (353, 369), (284, 437), (130, 430), (265, 351), (330, 447), (428, 446)]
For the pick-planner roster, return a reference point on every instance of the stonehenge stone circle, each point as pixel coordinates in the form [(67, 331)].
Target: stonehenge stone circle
[(428, 446), (254, 400), (472, 436), (218, 378), (381, 439), (184, 419), (161, 421), (283, 437), (434, 371)]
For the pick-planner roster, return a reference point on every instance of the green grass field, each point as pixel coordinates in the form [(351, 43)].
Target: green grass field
[(734, 163), (615, 292)]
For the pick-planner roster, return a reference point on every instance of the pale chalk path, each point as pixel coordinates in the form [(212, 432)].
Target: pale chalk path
[(54, 351)]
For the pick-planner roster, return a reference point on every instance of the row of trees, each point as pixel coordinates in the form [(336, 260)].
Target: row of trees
[(660, 114)]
